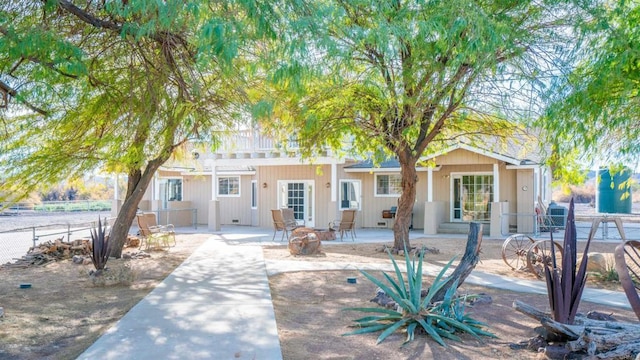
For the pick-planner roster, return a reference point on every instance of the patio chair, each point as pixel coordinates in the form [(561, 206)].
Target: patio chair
[(289, 217), (347, 224), (280, 224), (627, 257), (154, 235)]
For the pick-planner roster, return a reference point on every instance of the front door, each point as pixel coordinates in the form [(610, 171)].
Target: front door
[(298, 195), (472, 196)]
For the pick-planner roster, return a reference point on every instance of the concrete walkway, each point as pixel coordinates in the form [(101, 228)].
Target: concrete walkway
[(217, 303)]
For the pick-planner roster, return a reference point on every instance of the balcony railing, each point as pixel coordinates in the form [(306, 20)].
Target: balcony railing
[(251, 141)]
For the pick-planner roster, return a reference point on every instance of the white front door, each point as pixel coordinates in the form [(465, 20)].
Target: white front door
[(298, 195)]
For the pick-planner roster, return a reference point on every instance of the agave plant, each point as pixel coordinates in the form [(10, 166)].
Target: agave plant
[(564, 284), (442, 319), (100, 244)]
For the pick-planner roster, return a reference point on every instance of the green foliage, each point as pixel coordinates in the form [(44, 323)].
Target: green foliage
[(440, 320), (565, 284), (119, 86), (408, 79), (100, 246), (594, 107)]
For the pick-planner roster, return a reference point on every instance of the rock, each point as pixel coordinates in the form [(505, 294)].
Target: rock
[(595, 315), (597, 263), (383, 299), (1, 311), (77, 259), (87, 261), (481, 299)]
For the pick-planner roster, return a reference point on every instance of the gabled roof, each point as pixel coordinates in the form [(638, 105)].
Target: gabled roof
[(488, 153), (394, 164)]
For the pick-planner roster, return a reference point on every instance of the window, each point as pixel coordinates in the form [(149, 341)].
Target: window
[(174, 189), (254, 194), (473, 195), (350, 193), (229, 186), (388, 185)]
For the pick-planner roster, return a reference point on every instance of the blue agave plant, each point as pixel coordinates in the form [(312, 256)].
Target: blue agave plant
[(439, 320)]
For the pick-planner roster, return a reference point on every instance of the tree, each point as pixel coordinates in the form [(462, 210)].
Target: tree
[(119, 85), (594, 109), (407, 78)]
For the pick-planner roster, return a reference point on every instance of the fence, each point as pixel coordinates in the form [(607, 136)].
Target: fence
[(15, 243), (57, 206), (541, 226)]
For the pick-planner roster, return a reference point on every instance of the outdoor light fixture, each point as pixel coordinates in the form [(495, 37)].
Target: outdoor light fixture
[(328, 185), (264, 185)]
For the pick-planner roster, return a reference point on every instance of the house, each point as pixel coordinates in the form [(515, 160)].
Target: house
[(240, 184)]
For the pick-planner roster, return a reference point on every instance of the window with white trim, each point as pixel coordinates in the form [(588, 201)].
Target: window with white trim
[(388, 185), (350, 194), (229, 186), (254, 194)]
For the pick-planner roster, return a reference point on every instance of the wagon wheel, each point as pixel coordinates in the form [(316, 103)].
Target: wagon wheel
[(514, 250), (627, 257), (539, 255)]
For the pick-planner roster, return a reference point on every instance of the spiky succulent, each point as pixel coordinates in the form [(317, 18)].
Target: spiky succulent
[(439, 320)]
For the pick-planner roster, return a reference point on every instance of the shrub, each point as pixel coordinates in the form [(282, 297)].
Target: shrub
[(442, 319)]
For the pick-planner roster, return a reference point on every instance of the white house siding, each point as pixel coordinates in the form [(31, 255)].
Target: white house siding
[(268, 196), (236, 210), (526, 201), (197, 189)]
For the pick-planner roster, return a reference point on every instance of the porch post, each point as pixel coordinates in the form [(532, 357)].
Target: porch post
[(496, 226), (496, 183), (116, 204), (334, 181), (156, 203), (429, 184), (213, 220), (332, 210)]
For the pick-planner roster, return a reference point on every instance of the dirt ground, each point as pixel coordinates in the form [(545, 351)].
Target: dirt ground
[(63, 312), (310, 317)]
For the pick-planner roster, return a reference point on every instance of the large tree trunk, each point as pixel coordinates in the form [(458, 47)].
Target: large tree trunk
[(405, 203), (137, 185), (467, 263)]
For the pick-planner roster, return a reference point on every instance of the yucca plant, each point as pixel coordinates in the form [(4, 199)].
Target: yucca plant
[(100, 244), (566, 284), (442, 319)]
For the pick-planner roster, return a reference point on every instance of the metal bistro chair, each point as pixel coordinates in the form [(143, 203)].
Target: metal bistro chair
[(289, 218), (154, 235), (347, 224), (280, 224)]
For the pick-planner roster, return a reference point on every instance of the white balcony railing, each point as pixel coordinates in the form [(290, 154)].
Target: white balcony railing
[(251, 141)]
